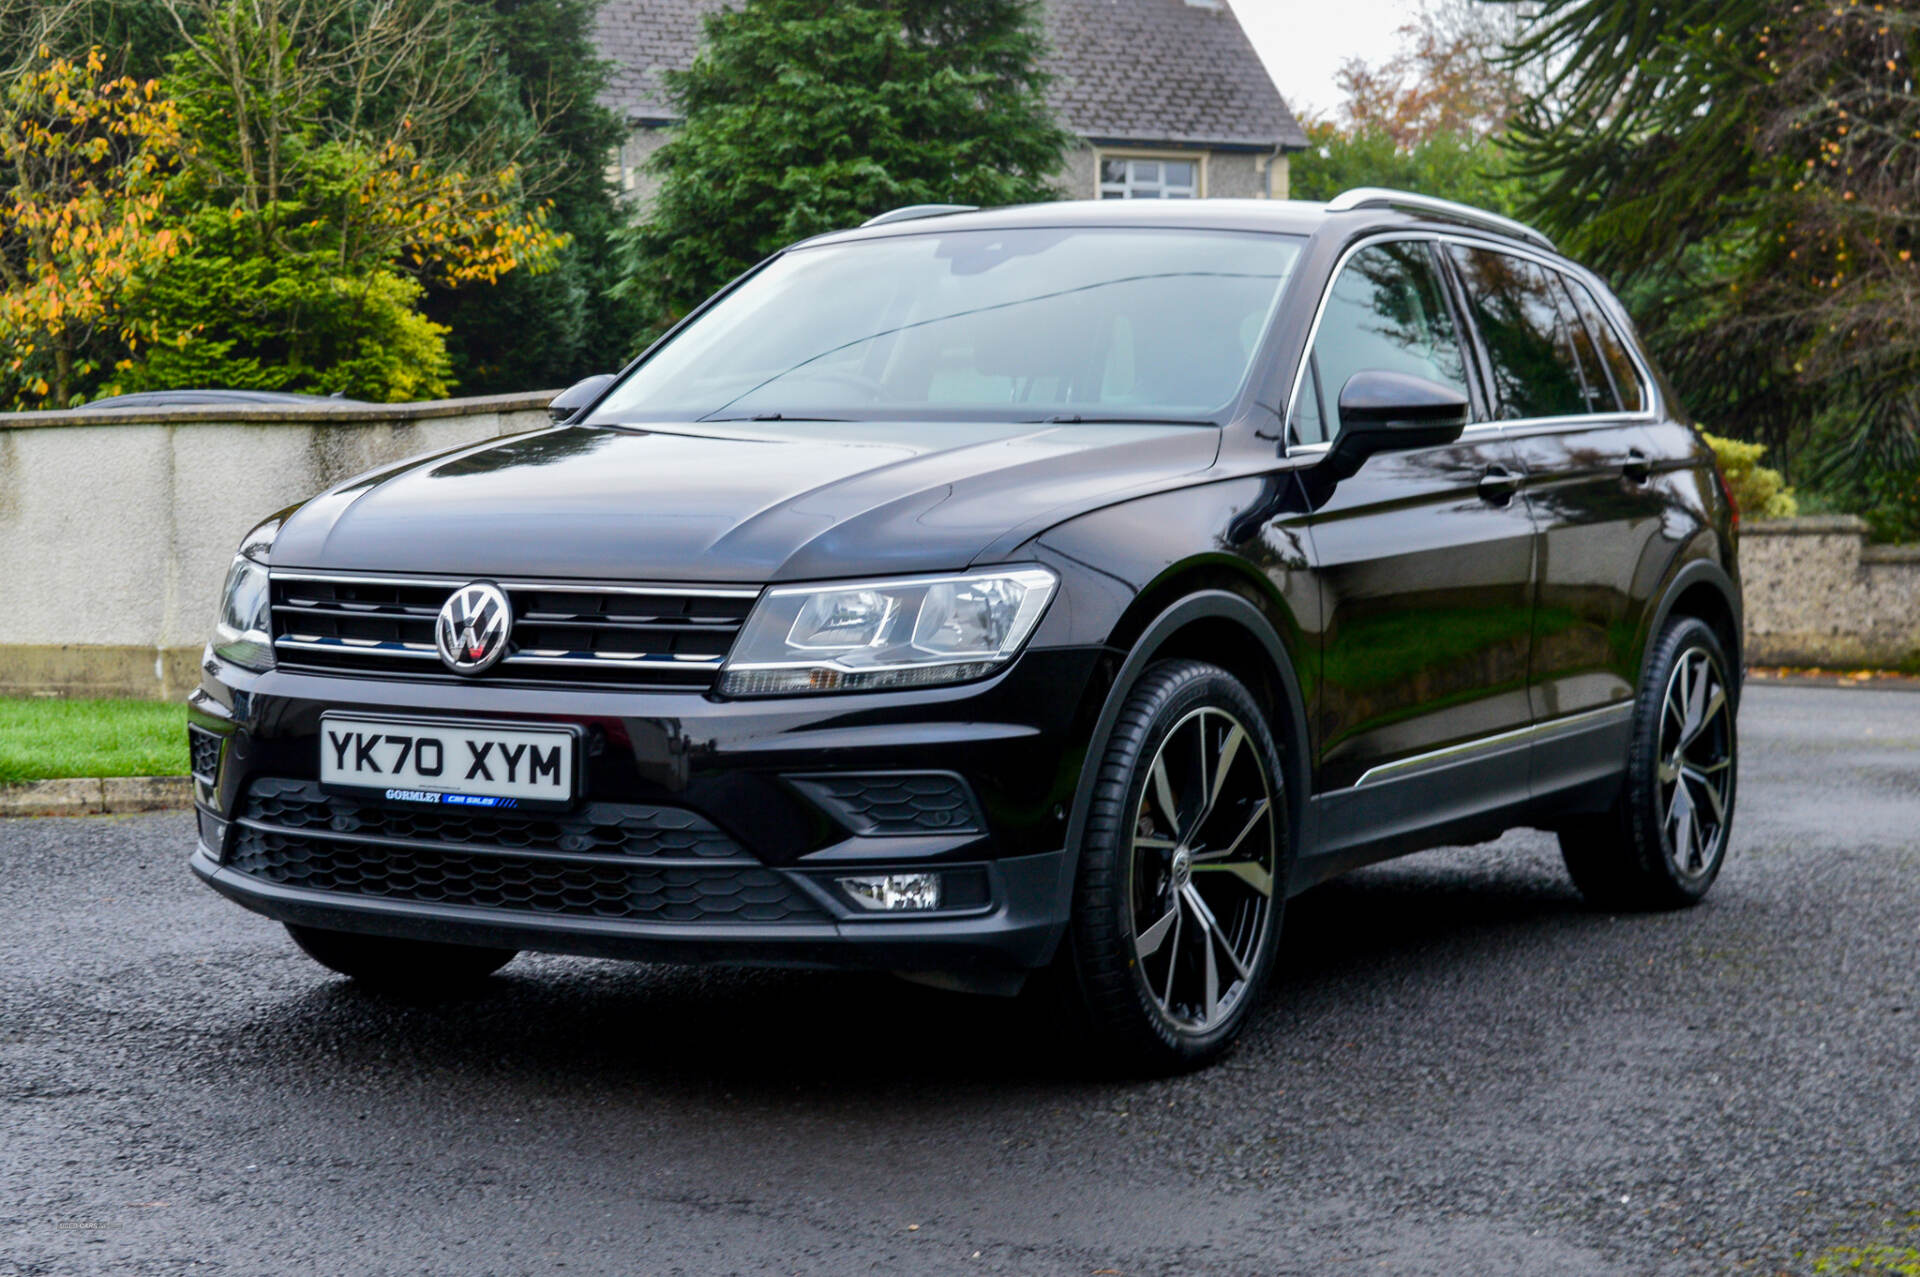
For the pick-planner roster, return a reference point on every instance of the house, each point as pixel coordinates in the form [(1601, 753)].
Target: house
[(1167, 96)]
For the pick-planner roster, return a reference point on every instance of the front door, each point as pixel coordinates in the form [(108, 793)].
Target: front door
[(1425, 559)]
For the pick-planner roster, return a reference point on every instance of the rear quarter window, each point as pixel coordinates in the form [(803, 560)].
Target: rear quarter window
[(1610, 347)]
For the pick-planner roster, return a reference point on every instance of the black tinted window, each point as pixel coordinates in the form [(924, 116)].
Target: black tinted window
[(1524, 321), (1612, 351), (1386, 312)]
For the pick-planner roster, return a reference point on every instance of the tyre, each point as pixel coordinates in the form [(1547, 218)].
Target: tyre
[(1181, 880), (406, 968), (1662, 844)]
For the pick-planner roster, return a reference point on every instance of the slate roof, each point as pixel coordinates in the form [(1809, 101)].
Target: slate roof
[(1125, 70)]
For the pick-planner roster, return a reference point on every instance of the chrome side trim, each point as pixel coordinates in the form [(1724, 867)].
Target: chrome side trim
[(1549, 730)]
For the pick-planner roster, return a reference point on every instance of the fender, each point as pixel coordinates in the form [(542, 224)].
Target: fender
[(1291, 733)]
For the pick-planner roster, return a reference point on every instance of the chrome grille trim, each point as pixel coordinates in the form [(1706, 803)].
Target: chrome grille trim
[(543, 587), (565, 632)]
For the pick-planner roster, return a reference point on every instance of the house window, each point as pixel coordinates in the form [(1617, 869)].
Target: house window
[(1132, 178)]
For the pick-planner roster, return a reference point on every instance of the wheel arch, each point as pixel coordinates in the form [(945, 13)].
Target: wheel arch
[(1704, 590)]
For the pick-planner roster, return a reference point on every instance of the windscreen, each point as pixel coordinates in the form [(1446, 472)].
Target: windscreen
[(994, 325)]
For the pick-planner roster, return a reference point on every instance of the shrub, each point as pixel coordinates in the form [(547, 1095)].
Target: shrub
[(1760, 492)]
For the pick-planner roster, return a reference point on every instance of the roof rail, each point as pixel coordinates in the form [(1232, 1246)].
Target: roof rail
[(912, 211), (1442, 210)]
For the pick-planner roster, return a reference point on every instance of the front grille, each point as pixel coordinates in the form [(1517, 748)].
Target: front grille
[(562, 633), (607, 860)]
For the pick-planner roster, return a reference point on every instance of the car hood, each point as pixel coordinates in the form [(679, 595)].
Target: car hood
[(731, 502)]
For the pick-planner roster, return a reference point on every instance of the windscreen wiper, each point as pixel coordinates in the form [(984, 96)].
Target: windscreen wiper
[(773, 416), (1075, 419)]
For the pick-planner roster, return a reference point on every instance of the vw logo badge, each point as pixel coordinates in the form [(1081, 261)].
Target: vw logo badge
[(471, 633)]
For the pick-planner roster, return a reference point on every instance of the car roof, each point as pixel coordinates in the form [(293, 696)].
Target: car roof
[(1360, 210)]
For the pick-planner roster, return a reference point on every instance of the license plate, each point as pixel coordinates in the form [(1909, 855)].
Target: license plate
[(449, 763)]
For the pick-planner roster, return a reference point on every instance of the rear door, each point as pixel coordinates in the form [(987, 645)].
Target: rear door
[(1425, 562), (1573, 403)]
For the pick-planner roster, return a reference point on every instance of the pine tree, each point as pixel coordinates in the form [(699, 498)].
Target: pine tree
[(801, 118)]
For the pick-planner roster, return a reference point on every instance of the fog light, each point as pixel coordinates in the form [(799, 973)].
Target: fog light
[(895, 891)]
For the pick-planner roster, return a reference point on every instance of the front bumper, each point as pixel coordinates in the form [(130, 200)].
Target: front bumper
[(750, 771)]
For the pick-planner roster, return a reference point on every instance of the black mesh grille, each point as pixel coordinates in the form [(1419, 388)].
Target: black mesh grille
[(631, 636), (895, 803), (677, 867), (203, 753)]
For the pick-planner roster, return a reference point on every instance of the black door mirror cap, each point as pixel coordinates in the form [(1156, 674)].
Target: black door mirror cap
[(1381, 410), (577, 396), (1384, 411)]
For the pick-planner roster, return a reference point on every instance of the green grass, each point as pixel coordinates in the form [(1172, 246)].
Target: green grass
[(50, 739)]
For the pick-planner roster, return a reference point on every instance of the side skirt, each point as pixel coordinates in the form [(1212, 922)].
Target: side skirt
[(1466, 793)]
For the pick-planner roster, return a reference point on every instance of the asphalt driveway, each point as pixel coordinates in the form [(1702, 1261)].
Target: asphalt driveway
[(1461, 1070)]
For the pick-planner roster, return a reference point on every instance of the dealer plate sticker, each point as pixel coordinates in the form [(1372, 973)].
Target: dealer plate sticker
[(448, 764)]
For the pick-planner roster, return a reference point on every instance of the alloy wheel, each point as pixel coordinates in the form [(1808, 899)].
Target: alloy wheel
[(1695, 766), (1203, 860)]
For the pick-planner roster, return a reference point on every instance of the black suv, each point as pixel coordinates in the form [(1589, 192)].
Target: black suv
[(978, 594)]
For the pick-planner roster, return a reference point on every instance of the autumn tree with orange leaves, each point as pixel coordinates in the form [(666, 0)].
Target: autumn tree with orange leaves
[(267, 215), (318, 221), (1450, 78), (1430, 118), (84, 158)]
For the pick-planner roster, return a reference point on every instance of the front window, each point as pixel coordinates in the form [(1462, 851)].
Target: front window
[(1387, 312), (997, 325), (1124, 178)]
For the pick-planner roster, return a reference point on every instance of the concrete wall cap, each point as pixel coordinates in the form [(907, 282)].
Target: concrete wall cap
[(269, 414), (1891, 554), (1805, 526)]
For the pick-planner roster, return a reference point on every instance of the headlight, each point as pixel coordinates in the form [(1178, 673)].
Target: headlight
[(243, 633), (878, 634)]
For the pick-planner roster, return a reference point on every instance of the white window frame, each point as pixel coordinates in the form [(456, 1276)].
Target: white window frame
[(1100, 156)]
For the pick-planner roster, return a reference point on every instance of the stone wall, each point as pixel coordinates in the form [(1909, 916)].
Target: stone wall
[(117, 528), (116, 531), (1818, 594)]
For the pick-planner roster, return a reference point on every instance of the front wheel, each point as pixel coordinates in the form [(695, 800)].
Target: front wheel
[(1181, 878), (1662, 844), (421, 969)]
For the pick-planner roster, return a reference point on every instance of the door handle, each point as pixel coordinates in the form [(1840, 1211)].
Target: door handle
[(1498, 485), (1637, 468)]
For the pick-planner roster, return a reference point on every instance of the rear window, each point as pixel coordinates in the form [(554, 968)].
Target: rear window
[(1526, 324)]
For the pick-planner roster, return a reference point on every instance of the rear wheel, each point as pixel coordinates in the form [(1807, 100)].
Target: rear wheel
[(407, 968), (1662, 844), (1180, 888)]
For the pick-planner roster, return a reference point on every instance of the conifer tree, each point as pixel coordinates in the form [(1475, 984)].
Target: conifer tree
[(802, 117)]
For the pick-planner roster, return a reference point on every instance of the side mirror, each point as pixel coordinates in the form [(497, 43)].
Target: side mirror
[(577, 396), (1387, 411)]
